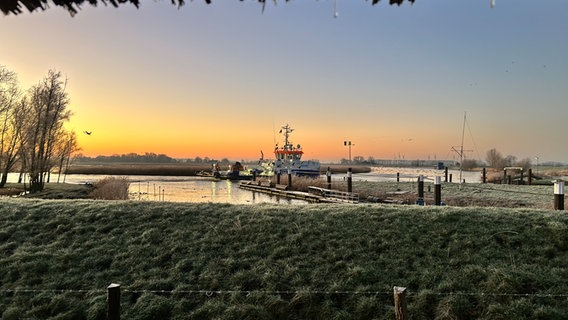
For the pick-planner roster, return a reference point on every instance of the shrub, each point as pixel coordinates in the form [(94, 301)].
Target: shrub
[(111, 188)]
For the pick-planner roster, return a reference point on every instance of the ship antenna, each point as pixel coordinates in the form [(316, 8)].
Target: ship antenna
[(273, 133)]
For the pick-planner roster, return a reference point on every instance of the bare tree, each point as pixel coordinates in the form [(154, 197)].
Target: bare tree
[(10, 95), (48, 112), (495, 159), (66, 145)]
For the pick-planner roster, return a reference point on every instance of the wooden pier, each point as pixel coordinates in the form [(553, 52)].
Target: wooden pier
[(315, 194)]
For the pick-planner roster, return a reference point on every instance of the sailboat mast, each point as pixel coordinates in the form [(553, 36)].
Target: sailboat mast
[(461, 147)]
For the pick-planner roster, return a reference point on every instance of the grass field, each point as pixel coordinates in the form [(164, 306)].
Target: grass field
[(222, 261)]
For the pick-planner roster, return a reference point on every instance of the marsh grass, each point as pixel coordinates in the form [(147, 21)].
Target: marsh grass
[(111, 188), (170, 169), (222, 261)]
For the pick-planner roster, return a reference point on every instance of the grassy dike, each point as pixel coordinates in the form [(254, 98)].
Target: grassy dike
[(222, 261)]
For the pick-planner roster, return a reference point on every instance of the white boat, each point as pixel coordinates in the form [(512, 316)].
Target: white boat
[(288, 159)]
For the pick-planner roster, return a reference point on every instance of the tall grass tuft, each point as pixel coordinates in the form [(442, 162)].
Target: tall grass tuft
[(111, 188)]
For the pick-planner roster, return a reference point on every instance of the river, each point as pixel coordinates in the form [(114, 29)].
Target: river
[(199, 189)]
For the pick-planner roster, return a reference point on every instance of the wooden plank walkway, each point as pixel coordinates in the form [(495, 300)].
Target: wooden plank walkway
[(316, 194)]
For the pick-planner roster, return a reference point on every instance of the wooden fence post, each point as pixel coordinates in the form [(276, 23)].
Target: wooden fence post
[(398, 177), (559, 195), (289, 179), (400, 310), (484, 175), (451, 177), (446, 174), (278, 178), (328, 174), (349, 180), (530, 177), (113, 302)]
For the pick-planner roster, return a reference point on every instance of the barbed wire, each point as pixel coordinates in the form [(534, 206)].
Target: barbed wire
[(210, 293)]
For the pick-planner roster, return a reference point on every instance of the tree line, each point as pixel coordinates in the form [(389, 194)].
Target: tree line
[(493, 159), (32, 137)]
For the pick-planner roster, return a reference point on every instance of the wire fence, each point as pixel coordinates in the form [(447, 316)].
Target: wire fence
[(210, 293)]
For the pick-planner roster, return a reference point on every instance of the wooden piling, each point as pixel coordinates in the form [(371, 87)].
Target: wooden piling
[(559, 195), (438, 191), (400, 308), (420, 186), (529, 179), (289, 179), (446, 174), (484, 175), (328, 175), (113, 301), (278, 178), (349, 180), (398, 177), (450, 177)]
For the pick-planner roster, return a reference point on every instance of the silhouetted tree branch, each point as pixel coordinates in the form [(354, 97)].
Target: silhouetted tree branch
[(73, 6)]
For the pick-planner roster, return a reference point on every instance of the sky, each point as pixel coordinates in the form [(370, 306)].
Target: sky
[(220, 80)]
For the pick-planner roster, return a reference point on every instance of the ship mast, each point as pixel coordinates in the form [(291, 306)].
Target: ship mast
[(287, 131)]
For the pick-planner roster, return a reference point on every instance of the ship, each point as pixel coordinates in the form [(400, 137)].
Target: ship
[(288, 159)]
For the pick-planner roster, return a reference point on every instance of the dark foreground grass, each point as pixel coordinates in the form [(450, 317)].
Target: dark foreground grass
[(221, 261)]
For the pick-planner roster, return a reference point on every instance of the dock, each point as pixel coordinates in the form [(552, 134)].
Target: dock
[(314, 194)]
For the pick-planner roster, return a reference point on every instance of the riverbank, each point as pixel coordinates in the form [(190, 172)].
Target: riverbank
[(452, 194)]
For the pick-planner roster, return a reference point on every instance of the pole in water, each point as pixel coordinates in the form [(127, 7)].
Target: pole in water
[(328, 174)]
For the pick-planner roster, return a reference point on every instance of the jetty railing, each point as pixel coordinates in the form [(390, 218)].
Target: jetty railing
[(336, 195)]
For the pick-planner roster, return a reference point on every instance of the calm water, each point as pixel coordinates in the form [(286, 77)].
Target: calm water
[(199, 189)]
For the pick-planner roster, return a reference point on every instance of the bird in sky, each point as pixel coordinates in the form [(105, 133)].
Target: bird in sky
[(88, 132)]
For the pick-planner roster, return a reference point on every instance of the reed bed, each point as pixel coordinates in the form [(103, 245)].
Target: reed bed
[(170, 169), (179, 169)]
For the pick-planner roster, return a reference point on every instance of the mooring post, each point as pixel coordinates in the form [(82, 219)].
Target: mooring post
[(398, 177), (400, 309), (349, 180), (113, 301), (558, 195), (522, 177), (438, 191), (450, 177), (253, 175), (504, 176), (446, 174), (530, 177), (328, 175), (420, 186), (278, 178), (484, 175)]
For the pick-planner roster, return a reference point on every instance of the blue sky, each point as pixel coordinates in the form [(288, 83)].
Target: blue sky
[(219, 80)]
